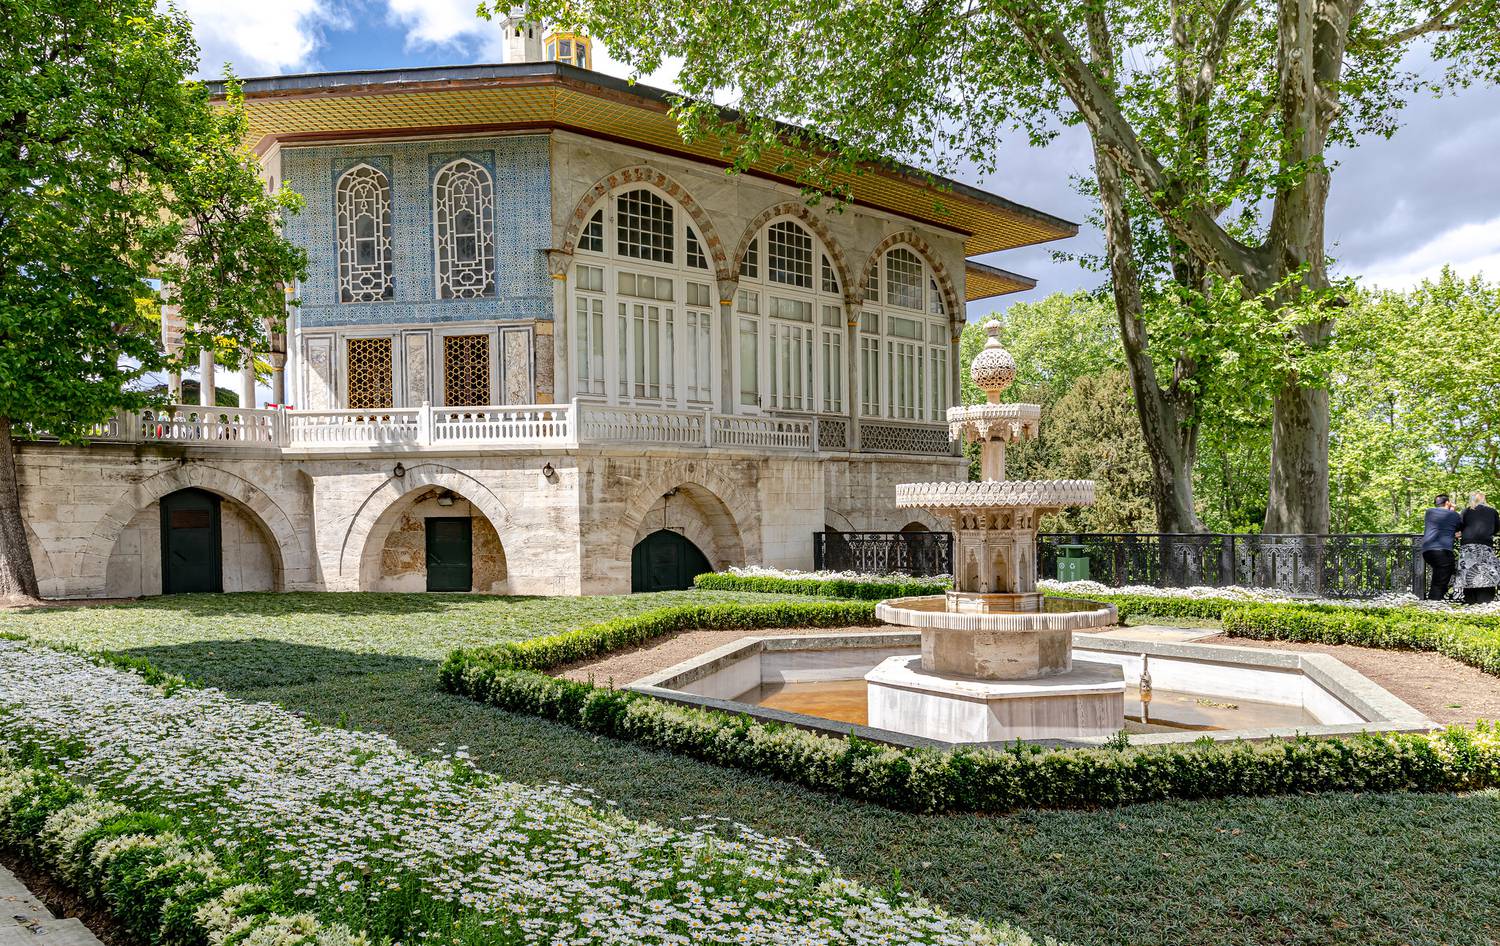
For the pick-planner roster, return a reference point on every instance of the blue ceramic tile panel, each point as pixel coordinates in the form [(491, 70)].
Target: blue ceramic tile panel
[(523, 229)]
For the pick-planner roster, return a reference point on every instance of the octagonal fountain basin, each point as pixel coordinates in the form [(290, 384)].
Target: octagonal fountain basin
[(818, 682)]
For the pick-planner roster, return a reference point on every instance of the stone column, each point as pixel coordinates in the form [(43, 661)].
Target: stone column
[(247, 381), (559, 264), (278, 376), (729, 395), (853, 364), (174, 387), (206, 382)]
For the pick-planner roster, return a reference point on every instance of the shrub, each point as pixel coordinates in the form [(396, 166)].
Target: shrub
[(988, 780), (162, 887), (1477, 645), (821, 587), (542, 653)]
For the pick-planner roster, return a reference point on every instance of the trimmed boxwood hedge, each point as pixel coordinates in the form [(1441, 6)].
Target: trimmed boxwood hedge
[(965, 779), (543, 653), (1395, 629), (821, 587)]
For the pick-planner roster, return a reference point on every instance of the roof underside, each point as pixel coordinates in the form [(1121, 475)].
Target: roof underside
[(545, 96)]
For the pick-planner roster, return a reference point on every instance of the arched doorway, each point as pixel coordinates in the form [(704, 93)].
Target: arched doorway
[(665, 561), (191, 543), (433, 539)]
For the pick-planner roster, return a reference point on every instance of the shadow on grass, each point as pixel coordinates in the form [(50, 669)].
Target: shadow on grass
[(237, 666), (276, 604)]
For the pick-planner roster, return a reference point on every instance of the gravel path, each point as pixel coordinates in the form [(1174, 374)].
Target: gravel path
[(1445, 690), (627, 666)]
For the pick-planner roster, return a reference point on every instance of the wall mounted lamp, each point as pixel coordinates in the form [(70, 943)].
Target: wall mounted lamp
[(399, 471)]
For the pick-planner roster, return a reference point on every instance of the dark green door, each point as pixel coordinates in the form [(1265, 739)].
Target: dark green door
[(190, 543), (450, 554), (665, 561)]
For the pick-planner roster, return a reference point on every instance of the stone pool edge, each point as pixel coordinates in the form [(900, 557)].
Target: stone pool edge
[(1355, 690)]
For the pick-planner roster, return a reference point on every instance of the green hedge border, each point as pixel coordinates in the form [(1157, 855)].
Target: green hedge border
[(161, 886), (512, 677), (821, 587)]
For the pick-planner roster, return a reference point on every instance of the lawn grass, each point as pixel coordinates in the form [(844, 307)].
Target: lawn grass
[(1338, 869)]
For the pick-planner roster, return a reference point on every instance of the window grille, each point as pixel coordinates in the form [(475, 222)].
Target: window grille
[(903, 278), (363, 211), (935, 298), (830, 278), (872, 284), (368, 365), (750, 265), (464, 221), (695, 257), (466, 370), (789, 255), (592, 239), (643, 227)]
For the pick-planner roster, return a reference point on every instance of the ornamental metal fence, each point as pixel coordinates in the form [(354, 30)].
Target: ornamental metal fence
[(919, 554), (1330, 566)]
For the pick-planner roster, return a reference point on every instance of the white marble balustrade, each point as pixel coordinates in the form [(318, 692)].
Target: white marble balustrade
[(524, 426)]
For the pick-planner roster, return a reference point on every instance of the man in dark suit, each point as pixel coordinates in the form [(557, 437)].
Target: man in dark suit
[(1441, 523)]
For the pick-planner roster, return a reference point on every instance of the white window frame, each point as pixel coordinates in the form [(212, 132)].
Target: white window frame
[(619, 385), (929, 373), (484, 234), (346, 240), (773, 331)]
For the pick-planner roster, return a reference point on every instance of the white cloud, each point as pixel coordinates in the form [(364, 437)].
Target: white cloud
[(1471, 249), (259, 37)]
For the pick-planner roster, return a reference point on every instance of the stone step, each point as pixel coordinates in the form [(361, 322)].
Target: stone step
[(69, 932), (17, 905)]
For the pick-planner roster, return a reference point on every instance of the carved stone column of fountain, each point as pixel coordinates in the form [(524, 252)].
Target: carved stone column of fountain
[(996, 661)]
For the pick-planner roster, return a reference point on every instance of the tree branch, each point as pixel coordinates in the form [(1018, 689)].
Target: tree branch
[(1437, 23)]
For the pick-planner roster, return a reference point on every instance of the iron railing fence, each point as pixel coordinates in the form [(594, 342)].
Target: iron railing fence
[(1330, 566), (919, 554)]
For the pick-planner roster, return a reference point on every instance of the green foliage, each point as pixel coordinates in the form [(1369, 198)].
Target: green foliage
[(820, 587), (1471, 642), (115, 170), (541, 653), (158, 879), (1101, 441), (985, 780)]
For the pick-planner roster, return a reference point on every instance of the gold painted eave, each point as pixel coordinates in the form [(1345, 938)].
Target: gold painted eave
[(545, 96), (986, 282)]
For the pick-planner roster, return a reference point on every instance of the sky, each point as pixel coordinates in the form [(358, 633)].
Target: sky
[(1399, 210)]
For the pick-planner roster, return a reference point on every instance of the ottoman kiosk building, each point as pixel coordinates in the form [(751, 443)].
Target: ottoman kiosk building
[(544, 347)]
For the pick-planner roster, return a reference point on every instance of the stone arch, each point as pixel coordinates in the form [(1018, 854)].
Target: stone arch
[(386, 500), (714, 495), (292, 558), (917, 242), (804, 215), (645, 174), (41, 564)]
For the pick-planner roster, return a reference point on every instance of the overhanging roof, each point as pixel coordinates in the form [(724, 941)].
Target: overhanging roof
[(337, 106), (982, 281)]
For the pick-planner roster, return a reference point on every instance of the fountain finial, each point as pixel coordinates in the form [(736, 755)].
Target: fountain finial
[(993, 368)]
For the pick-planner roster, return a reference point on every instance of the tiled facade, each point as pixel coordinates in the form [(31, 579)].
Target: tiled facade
[(521, 169)]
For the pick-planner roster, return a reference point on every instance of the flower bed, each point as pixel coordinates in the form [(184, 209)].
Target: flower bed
[(350, 829), (965, 779)]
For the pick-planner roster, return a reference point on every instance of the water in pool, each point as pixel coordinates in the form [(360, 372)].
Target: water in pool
[(845, 701)]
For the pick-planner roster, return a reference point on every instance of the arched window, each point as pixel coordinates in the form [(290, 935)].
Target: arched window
[(463, 213), (643, 305), (905, 340), (363, 211), (789, 323)]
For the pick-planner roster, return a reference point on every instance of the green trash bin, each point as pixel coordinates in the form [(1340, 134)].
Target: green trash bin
[(1072, 563)]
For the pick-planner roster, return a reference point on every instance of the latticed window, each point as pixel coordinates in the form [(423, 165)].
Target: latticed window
[(466, 370), (903, 278), (592, 238), (830, 278), (695, 257), (935, 298), (750, 265), (789, 255), (644, 227), (368, 366), (464, 220), (872, 284), (362, 207)]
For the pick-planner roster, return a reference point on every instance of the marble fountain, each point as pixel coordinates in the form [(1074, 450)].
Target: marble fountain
[(993, 660)]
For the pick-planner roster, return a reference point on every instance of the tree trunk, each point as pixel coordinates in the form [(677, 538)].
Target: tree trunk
[(1298, 501), (17, 573)]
